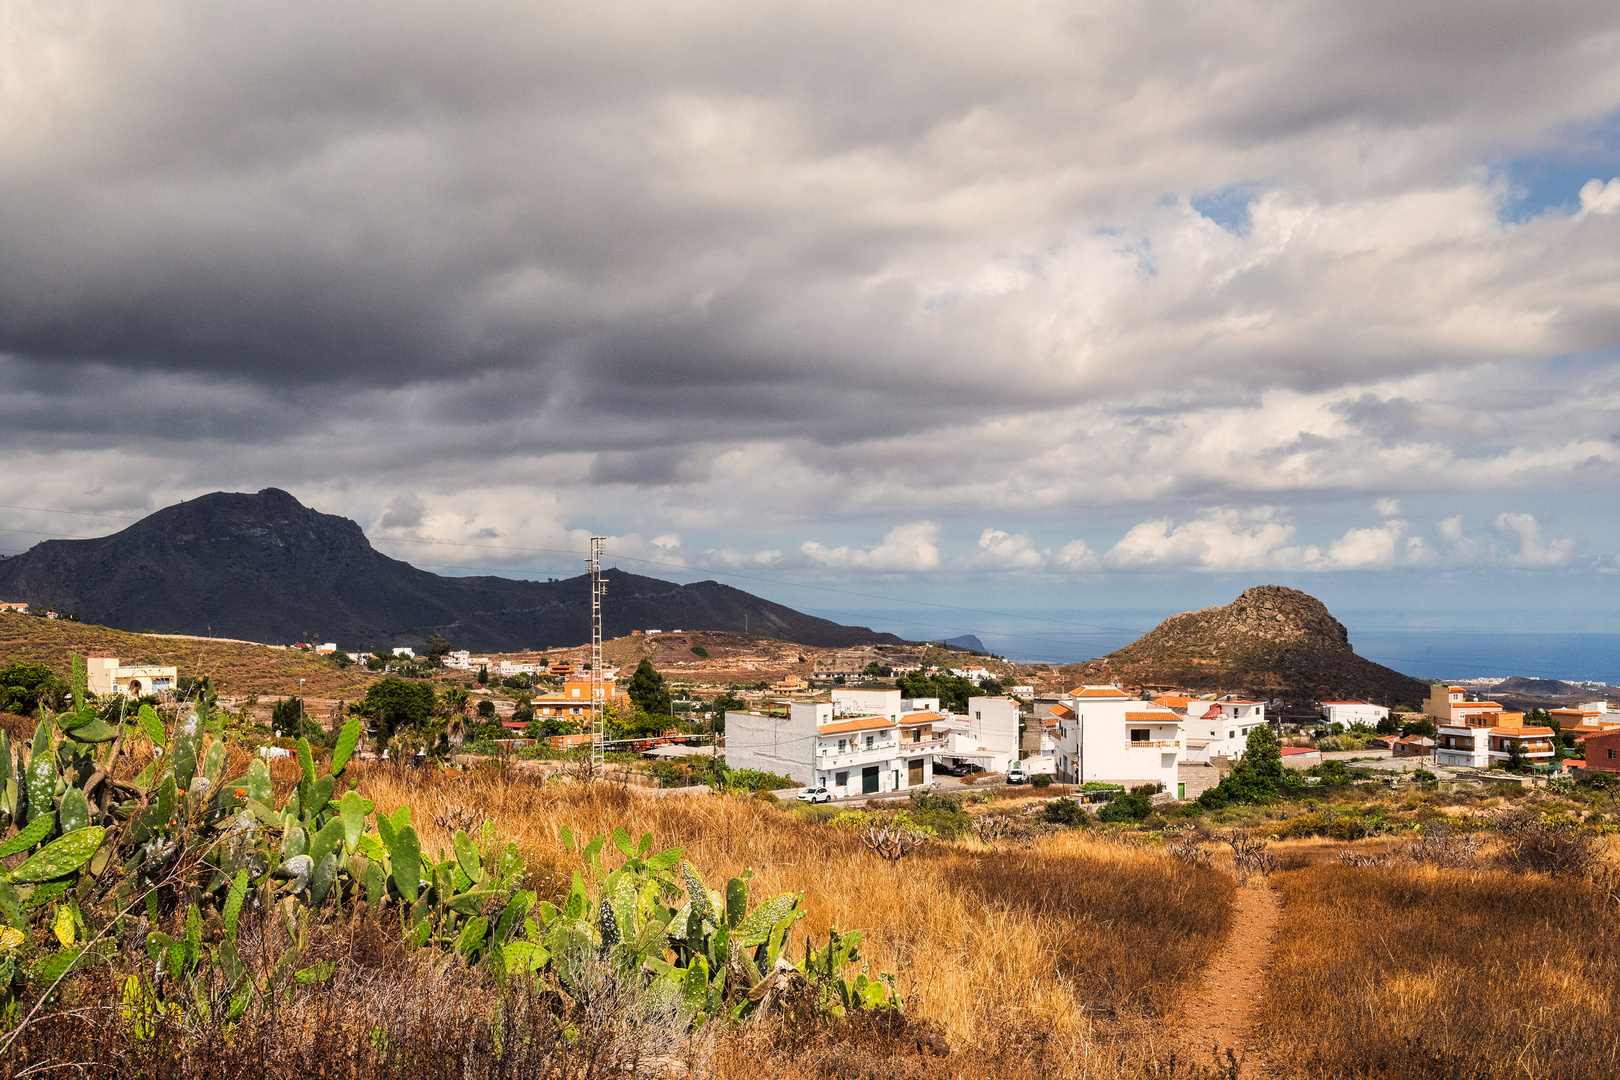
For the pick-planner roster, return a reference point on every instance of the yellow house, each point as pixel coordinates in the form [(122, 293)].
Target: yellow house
[(104, 676)]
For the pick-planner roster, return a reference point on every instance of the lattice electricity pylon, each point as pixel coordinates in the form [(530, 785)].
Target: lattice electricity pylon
[(598, 587)]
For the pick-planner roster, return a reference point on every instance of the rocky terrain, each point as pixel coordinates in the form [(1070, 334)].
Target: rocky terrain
[(266, 568), (1269, 642)]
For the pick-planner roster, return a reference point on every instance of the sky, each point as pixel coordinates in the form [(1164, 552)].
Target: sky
[(1032, 311)]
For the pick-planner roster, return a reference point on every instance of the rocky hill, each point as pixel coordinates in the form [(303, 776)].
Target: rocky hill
[(264, 567), (1269, 642)]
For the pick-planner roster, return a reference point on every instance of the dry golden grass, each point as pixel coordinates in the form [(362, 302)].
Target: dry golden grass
[(1056, 942), (1410, 971), (237, 668)]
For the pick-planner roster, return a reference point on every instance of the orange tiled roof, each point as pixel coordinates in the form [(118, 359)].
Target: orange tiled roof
[(1097, 692), (1153, 717), (1173, 701), (924, 717), (1521, 731), (859, 723), (1062, 711)]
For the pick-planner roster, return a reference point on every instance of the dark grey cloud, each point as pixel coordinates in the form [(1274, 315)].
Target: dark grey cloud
[(889, 257)]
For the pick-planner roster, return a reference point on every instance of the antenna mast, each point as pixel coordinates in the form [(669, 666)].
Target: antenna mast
[(598, 587)]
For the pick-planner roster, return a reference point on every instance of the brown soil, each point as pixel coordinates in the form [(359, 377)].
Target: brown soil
[(1219, 1014)]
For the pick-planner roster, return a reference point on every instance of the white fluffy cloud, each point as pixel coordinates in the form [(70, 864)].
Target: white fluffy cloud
[(913, 546)]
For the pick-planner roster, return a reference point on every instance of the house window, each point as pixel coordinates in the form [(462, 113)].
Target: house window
[(870, 739), (841, 779), (842, 745), (1140, 734), (1231, 734), (916, 734), (1611, 755)]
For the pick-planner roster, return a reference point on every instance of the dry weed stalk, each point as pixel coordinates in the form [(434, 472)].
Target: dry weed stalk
[(892, 842), (1249, 855)]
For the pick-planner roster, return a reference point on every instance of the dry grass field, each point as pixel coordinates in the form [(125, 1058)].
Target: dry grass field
[(1406, 971), (1062, 942), (237, 668)]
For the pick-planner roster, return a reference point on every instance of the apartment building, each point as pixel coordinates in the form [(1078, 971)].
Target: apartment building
[(848, 754), (1104, 734), (574, 699), (1449, 705), (1479, 740)]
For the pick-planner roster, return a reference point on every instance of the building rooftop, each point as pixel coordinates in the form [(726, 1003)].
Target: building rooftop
[(859, 723), (1098, 692)]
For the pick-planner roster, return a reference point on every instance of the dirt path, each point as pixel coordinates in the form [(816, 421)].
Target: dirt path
[(1220, 1011)]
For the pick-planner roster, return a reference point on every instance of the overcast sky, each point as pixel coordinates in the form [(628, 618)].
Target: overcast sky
[(1006, 305)]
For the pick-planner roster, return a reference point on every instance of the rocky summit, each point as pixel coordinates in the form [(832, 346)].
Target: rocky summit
[(264, 567), (1271, 642)]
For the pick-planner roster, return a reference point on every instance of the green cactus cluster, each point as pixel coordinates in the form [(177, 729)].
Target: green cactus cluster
[(104, 859), (722, 959)]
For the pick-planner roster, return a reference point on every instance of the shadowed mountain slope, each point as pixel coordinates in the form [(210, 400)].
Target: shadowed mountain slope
[(264, 567)]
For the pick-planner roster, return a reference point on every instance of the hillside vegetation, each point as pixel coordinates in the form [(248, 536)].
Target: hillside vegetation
[(1269, 642), (237, 668)]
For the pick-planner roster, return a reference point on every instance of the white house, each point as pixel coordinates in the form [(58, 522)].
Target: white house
[(849, 755), (1222, 726), (1106, 735), (104, 675), (1353, 712)]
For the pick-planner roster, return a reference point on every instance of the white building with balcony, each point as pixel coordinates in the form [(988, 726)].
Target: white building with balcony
[(1221, 727), (847, 754), (1104, 734)]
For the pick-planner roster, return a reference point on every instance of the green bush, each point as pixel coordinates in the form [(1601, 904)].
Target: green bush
[(943, 814), (1065, 812), (1041, 780), (1131, 806)]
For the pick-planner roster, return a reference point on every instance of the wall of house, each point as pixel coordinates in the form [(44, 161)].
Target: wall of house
[(993, 721), (771, 744), (1603, 752)]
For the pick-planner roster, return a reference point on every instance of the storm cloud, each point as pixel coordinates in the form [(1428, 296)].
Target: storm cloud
[(802, 277)]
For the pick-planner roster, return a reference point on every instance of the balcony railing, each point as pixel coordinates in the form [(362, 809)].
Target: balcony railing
[(1144, 743)]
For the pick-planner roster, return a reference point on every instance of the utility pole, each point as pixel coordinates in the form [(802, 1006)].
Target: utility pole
[(598, 586)]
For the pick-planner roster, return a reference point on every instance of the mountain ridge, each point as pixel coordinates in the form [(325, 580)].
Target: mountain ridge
[(264, 567)]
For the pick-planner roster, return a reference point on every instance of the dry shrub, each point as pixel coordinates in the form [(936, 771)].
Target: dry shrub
[(19, 729), (1408, 972), (1442, 846), (1533, 845)]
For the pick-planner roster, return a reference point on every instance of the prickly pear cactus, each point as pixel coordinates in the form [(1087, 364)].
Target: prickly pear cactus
[(61, 856)]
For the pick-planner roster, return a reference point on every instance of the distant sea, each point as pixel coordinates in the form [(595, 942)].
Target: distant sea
[(1449, 648)]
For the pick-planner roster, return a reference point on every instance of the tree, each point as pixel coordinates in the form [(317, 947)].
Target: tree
[(288, 717), (1425, 728), (729, 702), (1259, 777), (486, 710), (953, 691), (1388, 726), (24, 686), (647, 690), (436, 647), (395, 703), (991, 687), (483, 675)]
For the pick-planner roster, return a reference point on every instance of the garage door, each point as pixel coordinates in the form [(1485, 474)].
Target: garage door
[(869, 780), (914, 772)]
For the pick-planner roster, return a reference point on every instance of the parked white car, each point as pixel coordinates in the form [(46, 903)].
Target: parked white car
[(815, 795), (1016, 774)]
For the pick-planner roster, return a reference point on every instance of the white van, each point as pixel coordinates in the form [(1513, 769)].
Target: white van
[(1016, 773)]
